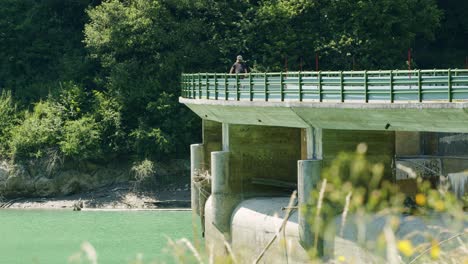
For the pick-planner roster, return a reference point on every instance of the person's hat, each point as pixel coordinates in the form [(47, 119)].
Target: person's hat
[(239, 57)]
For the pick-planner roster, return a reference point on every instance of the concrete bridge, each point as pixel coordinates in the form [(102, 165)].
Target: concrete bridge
[(265, 134)]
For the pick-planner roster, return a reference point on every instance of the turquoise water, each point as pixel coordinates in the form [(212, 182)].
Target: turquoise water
[(44, 236)]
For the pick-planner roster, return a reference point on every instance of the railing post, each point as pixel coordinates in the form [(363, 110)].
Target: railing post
[(419, 86), (450, 85), (341, 87), (281, 87), (319, 80), (192, 77), (366, 87), (199, 86), (391, 86), (250, 87), (185, 86), (237, 87), (225, 87), (300, 86), (207, 87), (216, 86), (266, 86)]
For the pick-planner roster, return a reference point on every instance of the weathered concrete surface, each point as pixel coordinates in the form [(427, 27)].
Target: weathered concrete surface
[(197, 163), (309, 172), (442, 117), (380, 146), (212, 140), (262, 152), (225, 195), (407, 143), (256, 221), (254, 152), (214, 239)]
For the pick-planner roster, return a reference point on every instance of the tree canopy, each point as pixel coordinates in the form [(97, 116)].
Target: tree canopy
[(94, 79)]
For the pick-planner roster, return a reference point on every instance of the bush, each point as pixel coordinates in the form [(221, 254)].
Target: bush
[(143, 172), (59, 124), (354, 193), (80, 138), (39, 131), (107, 112), (8, 119), (151, 142), (73, 99)]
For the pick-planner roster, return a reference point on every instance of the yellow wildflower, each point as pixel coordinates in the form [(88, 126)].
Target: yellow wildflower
[(439, 205), (341, 259), (435, 250), (420, 199), (405, 247)]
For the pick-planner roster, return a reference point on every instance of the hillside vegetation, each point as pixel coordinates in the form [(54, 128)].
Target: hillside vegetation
[(97, 80)]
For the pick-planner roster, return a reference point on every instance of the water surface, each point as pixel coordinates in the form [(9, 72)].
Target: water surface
[(52, 236)]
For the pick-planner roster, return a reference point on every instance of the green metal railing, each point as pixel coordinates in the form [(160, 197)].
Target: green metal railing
[(343, 86)]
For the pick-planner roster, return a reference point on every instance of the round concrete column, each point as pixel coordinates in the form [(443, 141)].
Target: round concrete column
[(224, 197), (197, 163), (308, 177)]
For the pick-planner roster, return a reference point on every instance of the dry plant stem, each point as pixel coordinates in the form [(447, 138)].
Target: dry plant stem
[(345, 213), (285, 246), (231, 253), (285, 220), (211, 261), (194, 251), (188, 245), (319, 208), (438, 244), (392, 252)]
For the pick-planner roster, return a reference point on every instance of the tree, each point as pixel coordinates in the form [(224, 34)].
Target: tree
[(376, 33), (40, 45)]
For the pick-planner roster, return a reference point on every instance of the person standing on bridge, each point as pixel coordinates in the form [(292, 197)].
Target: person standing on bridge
[(239, 66)]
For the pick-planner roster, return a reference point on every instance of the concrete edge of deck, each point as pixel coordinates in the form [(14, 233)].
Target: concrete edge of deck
[(332, 105), (437, 117)]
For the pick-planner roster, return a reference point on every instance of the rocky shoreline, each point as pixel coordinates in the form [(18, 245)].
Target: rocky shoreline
[(33, 185), (116, 196)]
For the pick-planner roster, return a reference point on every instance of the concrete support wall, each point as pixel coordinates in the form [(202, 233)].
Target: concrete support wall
[(380, 146), (212, 139), (263, 152), (407, 143), (255, 152), (275, 154)]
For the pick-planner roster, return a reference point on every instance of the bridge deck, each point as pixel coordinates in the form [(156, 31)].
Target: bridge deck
[(345, 86), (419, 100)]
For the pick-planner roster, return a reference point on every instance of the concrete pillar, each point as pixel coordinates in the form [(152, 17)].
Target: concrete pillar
[(197, 161), (308, 177), (224, 198)]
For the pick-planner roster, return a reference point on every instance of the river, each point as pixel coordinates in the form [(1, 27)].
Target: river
[(53, 236)]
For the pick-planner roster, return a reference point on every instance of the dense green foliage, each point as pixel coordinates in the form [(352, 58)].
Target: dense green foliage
[(96, 79)]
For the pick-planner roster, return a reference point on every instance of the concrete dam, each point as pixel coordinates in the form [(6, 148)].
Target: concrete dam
[(268, 134)]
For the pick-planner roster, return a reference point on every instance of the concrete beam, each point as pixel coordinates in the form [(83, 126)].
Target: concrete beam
[(436, 117)]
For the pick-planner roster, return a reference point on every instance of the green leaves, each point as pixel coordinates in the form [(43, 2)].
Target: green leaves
[(81, 138)]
